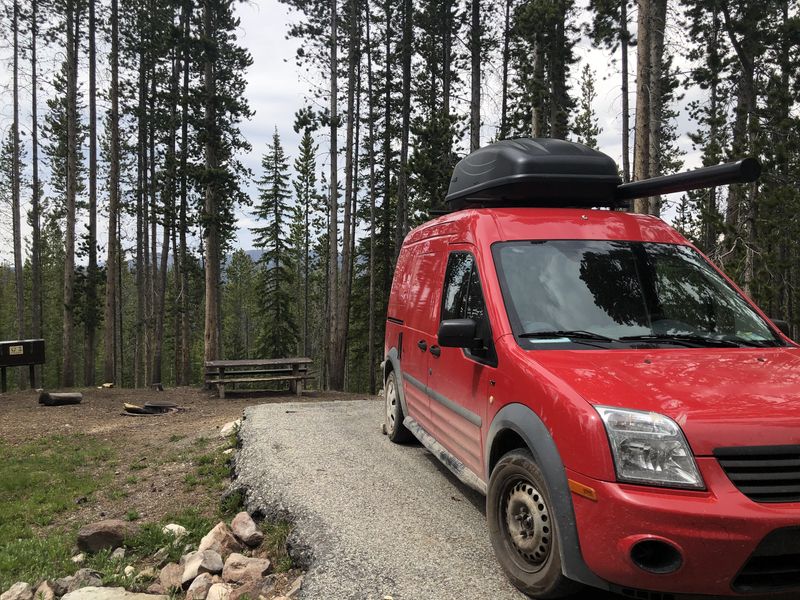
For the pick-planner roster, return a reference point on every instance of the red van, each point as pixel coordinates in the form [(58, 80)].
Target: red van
[(631, 416)]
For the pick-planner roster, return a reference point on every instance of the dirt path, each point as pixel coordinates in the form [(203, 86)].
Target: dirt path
[(155, 455)]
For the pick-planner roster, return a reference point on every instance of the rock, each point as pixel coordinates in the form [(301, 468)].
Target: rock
[(246, 530), (229, 428), (108, 534), (219, 591), (294, 589), (216, 579), (170, 577), (62, 585), (85, 578), (44, 592), (228, 452), (177, 531), (79, 559), (161, 556), (221, 540), (200, 586), (129, 571), (104, 593), (254, 589), (155, 588), (207, 561), (18, 591), (149, 573), (118, 554), (239, 569)]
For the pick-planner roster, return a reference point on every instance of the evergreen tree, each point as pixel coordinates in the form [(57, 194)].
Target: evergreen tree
[(307, 209), (240, 306), (585, 127), (278, 335)]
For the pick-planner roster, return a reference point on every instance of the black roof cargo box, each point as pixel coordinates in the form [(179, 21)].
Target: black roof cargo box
[(535, 172)]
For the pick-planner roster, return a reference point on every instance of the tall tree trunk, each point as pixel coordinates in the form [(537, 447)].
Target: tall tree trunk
[(371, 159), (475, 87), (641, 140), (111, 371), (90, 321), (504, 128), (402, 177), (141, 230), (335, 373), (19, 276), (339, 349), (211, 348), (658, 15), (537, 112), (67, 364), (36, 236), (558, 75), (626, 127), (168, 195), (185, 375)]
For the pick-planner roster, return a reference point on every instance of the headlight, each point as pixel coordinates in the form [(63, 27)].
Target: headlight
[(649, 449)]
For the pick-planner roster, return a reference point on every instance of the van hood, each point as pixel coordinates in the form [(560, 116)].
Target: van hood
[(719, 397)]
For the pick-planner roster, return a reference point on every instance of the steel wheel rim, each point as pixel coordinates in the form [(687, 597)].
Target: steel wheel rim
[(528, 525), (391, 406)]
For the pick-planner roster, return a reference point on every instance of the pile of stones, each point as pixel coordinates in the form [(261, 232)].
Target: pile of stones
[(226, 565)]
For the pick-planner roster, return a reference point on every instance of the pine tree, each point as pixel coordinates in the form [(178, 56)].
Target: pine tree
[(278, 335), (224, 106), (585, 127), (241, 302), (306, 210)]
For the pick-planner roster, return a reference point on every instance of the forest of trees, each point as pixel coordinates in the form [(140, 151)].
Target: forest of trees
[(133, 127)]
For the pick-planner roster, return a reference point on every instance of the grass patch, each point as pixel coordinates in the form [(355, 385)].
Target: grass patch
[(275, 535), (176, 437), (132, 515), (39, 481)]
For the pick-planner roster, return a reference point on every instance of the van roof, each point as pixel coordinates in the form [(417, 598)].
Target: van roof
[(489, 225)]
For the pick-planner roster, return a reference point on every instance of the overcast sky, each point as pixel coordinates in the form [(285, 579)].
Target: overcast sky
[(276, 89)]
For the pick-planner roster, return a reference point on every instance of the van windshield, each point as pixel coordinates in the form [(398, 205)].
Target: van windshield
[(586, 293)]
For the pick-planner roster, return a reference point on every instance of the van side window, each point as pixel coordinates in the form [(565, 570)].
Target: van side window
[(463, 299)]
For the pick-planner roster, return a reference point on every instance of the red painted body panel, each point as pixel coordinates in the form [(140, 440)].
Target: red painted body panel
[(719, 397)]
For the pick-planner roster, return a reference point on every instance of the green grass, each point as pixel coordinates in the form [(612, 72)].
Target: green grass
[(39, 482), (275, 535)]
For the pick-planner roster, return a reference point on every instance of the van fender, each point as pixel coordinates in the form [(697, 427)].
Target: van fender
[(527, 424), (392, 363)]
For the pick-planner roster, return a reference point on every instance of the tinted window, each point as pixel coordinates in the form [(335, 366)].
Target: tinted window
[(463, 299)]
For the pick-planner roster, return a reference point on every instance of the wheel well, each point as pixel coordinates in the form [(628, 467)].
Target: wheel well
[(386, 370), (504, 442)]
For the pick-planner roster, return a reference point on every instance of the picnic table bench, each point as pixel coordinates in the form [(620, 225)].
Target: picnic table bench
[(220, 373)]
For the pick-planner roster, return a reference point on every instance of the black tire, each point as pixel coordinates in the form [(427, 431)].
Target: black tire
[(395, 429), (523, 529)]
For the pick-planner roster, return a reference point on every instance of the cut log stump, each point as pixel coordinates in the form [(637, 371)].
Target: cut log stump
[(60, 399)]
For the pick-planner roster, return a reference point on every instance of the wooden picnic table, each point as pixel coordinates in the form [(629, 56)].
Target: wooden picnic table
[(257, 370)]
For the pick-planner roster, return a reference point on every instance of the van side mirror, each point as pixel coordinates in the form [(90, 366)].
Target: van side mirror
[(458, 333), (784, 326)]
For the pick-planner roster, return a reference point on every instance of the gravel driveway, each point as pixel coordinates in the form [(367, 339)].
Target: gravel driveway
[(373, 519)]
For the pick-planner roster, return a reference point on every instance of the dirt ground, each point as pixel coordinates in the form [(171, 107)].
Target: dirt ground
[(154, 453)]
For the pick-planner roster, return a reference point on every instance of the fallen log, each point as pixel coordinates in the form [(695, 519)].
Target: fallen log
[(60, 399)]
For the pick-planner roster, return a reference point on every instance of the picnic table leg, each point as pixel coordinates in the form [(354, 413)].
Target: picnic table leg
[(299, 387), (32, 376), (293, 387), (221, 389), (3, 381)]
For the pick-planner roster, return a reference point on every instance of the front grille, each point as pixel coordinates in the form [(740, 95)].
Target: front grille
[(763, 473), (775, 564)]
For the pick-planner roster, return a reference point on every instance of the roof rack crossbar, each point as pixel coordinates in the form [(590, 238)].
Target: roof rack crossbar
[(745, 170)]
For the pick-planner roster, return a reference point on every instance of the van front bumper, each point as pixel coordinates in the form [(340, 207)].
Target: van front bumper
[(729, 545)]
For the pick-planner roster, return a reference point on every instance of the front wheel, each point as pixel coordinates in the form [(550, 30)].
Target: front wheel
[(523, 528), (395, 429)]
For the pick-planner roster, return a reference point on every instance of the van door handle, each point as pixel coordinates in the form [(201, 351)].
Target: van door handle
[(422, 345), (436, 351)]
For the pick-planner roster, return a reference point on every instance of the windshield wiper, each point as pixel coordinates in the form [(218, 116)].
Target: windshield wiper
[(680, 338), (576, 333)]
